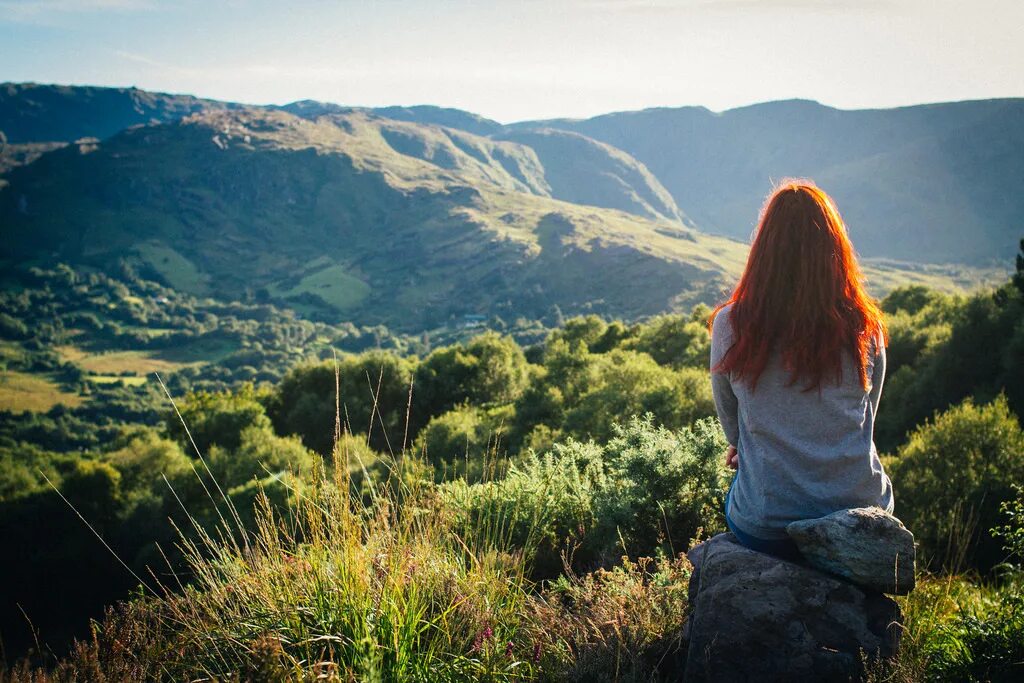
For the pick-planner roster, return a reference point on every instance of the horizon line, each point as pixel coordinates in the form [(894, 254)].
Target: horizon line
[(657, 107)]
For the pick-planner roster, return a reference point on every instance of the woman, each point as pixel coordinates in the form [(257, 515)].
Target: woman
[(797, 362)]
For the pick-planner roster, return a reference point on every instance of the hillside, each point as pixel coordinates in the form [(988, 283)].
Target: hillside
[(376, 219), (32, 112), (926, 183), (584, 171)]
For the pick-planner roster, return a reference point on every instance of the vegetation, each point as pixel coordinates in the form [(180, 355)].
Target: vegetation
[(507, 514), (353, 435)]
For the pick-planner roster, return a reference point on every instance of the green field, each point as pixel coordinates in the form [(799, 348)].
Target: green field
[(117, 362), (333, 285), (177, 270), (21, 391)]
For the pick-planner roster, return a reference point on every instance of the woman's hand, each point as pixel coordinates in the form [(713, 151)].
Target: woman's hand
[(732, 458)]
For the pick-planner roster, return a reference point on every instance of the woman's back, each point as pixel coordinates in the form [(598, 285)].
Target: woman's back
[(802, 454), (797, 362)]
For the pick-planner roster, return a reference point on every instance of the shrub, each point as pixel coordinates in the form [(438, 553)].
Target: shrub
[(646, 489), (304, 402), (629, 383), (624, 624), (951, 477), (216, 418), (669, 486), (675, 340), (546, 505), (465, 441)]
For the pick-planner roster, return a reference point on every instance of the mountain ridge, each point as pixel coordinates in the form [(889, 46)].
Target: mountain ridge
[(343, 213)]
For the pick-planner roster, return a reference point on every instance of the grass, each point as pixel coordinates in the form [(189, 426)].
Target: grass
[(372, 580), (959, 628), (117, 362), (21, 391), (332, 284), (178, 271), (114, 379)]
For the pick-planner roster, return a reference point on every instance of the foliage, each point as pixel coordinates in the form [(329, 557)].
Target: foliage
[(944, 349), (622, 624), (372, 388), (1012, 533), (648, 488), (952, 475)]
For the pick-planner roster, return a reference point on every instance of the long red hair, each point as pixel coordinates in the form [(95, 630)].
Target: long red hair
[(801, 293)]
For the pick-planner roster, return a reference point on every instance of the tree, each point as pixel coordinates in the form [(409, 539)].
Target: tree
[(217, 418), (951, 477), (304, 402)]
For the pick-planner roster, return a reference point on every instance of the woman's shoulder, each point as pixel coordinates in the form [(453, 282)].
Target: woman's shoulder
[(722, 324)]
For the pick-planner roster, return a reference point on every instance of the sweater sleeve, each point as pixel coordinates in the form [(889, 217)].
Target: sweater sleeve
[(726, 404), (877, 375)]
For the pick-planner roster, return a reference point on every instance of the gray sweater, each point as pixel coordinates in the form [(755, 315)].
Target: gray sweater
[(802, 455)]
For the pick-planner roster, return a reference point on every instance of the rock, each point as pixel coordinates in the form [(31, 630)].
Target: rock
[(867, 546), (756, 617)]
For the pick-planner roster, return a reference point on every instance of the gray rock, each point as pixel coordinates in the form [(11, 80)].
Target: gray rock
[(759, 618), (867, 546)]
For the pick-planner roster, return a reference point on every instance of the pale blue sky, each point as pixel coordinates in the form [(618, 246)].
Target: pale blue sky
[(513, 60)]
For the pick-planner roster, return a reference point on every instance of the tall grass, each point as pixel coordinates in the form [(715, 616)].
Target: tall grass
[(372, 577)]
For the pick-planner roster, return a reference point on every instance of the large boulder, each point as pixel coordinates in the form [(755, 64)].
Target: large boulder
[(756, 617), (865, 545)]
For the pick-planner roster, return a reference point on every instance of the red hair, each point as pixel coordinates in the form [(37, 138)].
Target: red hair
[(801, 293)]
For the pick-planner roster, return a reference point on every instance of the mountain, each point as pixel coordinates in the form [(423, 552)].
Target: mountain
[(31, 112), (931, 183), (37, 118), (351, 214), (934, 183), (347, 214), (436, 116), (584, 171)]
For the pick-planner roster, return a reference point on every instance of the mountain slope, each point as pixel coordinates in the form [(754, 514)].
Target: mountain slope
[(426, 114), (336, 217), (584, 171), (36, 117), (31, 112), (926, 183)]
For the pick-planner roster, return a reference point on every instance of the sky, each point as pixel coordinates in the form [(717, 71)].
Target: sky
[(513, 60)]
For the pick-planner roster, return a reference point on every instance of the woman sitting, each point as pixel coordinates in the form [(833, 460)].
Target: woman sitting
[(797, 363)]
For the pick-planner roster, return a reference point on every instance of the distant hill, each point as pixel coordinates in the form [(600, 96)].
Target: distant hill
[(350, 214), (30, 112), (584, 171), (939, 182), (353, 215)]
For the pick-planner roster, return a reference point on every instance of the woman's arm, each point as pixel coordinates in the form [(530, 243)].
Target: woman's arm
[(726, 404), (877, 376)]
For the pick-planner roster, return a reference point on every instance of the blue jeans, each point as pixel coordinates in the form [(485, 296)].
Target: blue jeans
[(783, 548)]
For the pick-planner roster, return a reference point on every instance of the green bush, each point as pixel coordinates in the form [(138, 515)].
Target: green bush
[(216, 418), (675, 340), (464, 442), (305, 401), (951, 477), (647, 488), (1012, 533), (629, 383), (669, 486)]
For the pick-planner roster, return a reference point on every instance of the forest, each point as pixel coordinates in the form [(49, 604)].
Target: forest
[(228, 488)]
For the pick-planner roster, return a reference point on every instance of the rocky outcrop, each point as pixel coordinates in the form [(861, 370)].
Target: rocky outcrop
[(759, 618), (867, 546)]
